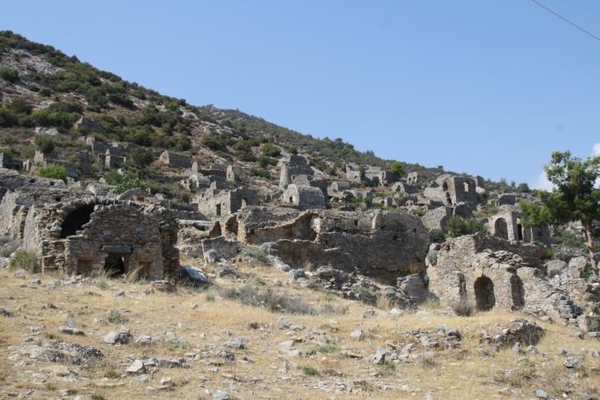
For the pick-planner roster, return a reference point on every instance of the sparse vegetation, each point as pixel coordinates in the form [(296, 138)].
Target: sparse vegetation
[(53, 171), (24, 259)]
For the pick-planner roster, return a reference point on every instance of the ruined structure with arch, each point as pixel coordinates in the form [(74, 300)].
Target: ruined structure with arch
[(80, 233)]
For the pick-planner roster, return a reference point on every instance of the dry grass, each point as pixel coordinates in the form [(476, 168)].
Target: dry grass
[(192, 324)]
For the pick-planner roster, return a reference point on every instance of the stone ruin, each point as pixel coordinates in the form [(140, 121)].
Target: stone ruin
[(300, 187), (79, 233), (451, 190), (218, 203), (378, 244), (489, 272), (175, 160), (507, 225)]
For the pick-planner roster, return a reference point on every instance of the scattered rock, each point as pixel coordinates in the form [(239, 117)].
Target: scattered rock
[(136, 367), (239, 343), (516, 331), (540, 394), (67, 330), (221, 395), (379, 357), (357, 334), (5, 313), (121, 337)]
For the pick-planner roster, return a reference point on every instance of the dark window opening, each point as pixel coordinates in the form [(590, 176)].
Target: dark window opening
[(114, 265), (448, 199), (519, 232), (218, 210), (75, 220), (484, 294), (517, 292)]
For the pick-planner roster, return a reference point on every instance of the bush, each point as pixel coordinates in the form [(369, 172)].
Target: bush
[(53, 171), (463, 308), (9, 74), (45, 144), (270, 150), (142, 157), (458, 226), (23, 259), (260, 172)]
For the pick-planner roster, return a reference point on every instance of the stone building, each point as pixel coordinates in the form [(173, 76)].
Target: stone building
[(482, 270), (376, 175), (80, 233), (412, 178), (175, 160), (218, 203), (488, 272), (294, 169), (451, 190), (89, 125), (303, 197), (378, 244), (507, 225)]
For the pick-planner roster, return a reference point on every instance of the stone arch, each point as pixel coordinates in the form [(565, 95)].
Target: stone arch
[(517, 291), (75, 220), (484, 293), (501, 228)]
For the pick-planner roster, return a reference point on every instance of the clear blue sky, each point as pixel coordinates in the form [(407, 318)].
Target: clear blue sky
[(485, 87)]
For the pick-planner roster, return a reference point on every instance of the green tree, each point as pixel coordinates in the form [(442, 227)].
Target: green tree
[(574, 197), (397, 169)]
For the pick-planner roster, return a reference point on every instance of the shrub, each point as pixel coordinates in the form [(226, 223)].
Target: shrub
[(270, 150), (142, 157), (260, 172), (309, 371), (45, 144), (463, 308), (458, 226), (437, 236), (115, 317), (9, 74), (53, 171), (23, 259)]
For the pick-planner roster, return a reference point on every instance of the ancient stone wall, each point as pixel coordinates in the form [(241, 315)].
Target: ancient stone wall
[(175, 160)]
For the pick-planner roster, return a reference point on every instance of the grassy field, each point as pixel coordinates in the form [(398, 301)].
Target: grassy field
[(195, 326)]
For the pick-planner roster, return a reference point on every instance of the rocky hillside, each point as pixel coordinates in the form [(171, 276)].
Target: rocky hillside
[(43, 91)]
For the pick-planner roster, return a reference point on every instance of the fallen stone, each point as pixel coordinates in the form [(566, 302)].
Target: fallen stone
[(67, 330), (136, 367), (357, 334), (379, 357), (221, 395), (239, 343), (540, 394), (122, 337), (5, 313)]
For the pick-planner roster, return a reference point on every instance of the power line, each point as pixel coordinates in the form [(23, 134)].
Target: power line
[(567, 21)]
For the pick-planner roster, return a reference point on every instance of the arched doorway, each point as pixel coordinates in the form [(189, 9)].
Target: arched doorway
[(484, 294)]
